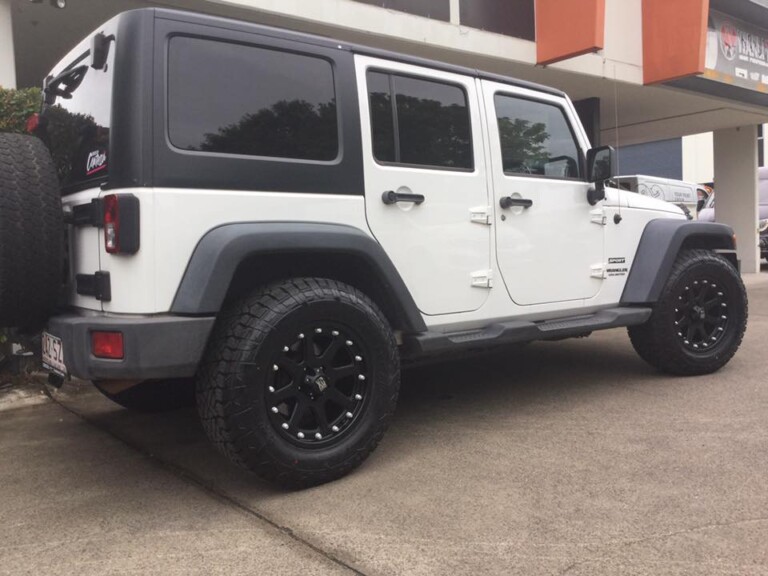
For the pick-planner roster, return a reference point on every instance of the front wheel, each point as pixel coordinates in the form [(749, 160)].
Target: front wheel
[(699, 320), (299, 381)]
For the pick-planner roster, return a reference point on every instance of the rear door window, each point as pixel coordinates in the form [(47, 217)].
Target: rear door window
[(428, 125)]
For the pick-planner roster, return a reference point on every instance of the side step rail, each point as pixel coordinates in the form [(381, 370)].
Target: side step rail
[(516, 331)]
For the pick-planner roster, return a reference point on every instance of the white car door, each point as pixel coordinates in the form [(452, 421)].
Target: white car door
[(549, 239), (426, 192)]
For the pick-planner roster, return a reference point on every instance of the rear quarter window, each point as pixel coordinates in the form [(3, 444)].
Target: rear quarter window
[(229, 98)]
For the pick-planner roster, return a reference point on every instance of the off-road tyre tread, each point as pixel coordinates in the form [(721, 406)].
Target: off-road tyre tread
[(31, 232), (655, 341), (258, 314)]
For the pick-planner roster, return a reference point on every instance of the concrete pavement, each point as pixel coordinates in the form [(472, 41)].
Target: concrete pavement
[(571, 457)]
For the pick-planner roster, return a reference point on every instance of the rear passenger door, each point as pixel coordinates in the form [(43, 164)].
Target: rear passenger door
[(425, 181)]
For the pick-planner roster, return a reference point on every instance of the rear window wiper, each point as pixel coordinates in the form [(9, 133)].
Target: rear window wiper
[(64, 84)]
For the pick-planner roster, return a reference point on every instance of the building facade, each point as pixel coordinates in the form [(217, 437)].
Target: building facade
[(639, 71)]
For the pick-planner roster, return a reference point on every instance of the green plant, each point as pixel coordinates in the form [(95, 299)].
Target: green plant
[(16, 106)]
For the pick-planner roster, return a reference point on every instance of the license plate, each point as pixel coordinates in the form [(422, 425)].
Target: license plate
[(53, 354)]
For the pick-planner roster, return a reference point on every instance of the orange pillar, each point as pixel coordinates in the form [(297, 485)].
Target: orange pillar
[(674, 39), (568, 28)]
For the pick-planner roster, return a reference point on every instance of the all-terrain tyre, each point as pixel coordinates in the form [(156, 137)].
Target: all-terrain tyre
[(699, 320), (154, 396), (31, 232), (299, 381)]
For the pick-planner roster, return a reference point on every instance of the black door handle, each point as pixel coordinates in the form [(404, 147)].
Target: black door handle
[(508, 202), (392, 197)]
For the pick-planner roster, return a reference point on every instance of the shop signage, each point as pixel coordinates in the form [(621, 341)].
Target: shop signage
[(737, 53)]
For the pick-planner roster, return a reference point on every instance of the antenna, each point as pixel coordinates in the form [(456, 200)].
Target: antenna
[(617, 218)]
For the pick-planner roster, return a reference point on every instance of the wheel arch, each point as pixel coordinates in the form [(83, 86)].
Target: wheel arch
[(661, 242), (234, 258)]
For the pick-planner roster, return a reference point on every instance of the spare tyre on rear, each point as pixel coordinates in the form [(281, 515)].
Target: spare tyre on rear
[(31, 232)]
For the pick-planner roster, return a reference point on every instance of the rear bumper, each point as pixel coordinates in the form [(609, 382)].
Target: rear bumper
[(154, 346)]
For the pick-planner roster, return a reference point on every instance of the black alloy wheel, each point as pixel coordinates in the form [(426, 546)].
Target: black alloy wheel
[(299, 381), (701, 315), (318, 386), (699, 320)]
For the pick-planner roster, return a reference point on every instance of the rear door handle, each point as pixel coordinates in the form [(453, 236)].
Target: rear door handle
[(392, 197), (508, 202)]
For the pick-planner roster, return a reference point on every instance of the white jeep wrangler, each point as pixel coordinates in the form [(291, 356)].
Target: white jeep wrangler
[(272, 221)]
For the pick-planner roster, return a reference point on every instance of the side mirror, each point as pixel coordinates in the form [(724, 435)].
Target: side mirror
[(600, 167)]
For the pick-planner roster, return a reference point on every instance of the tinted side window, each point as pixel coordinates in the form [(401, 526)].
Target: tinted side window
[(236, 99), (428, 126), (536, 139)]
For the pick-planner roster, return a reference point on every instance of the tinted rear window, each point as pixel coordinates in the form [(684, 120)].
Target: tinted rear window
[(76, 129), (236, 99)]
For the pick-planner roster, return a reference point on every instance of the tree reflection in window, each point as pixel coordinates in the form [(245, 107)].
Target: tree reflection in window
[(287, 129), (71, 138), (432, 126), (535, 138), (522, 145)]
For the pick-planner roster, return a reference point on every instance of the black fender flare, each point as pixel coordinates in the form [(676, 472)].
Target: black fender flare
[(218, 254), (659, 246)]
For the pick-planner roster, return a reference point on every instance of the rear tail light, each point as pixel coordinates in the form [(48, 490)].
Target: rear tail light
[(32, 123), (107, 345), (121, 223)]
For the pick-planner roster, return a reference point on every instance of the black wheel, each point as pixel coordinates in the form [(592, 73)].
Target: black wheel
[(700, 318), (299, 381), (31, 232), (154, 396)]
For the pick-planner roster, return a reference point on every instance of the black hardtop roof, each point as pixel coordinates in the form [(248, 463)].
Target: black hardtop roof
[(326, 42)]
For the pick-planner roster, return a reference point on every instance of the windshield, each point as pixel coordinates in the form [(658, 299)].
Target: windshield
[(76, 115)]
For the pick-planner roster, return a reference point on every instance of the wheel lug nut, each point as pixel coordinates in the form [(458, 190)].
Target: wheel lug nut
[(271, 388), (358, 397), (275, 368), (301, 336), (724, 305), (286, 349), (334, 332), (724, 317), (335, 428), (361, 377), (358, 358), (285, 425), (300, 434), (349, 342), (318, 330), (318, 436), (274, 409), (349, 414)]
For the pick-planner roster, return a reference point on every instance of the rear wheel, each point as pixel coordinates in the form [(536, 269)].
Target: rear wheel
[(31, 232), (153, 396), (300, 381), (700, 318)]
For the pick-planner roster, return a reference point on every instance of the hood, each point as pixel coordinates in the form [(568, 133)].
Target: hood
[(640, 202)]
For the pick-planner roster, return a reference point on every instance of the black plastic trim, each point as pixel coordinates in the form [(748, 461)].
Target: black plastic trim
[(517, 331), (220, 252), (91, 214), (659, 246), (155, 346), (97, 285)]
